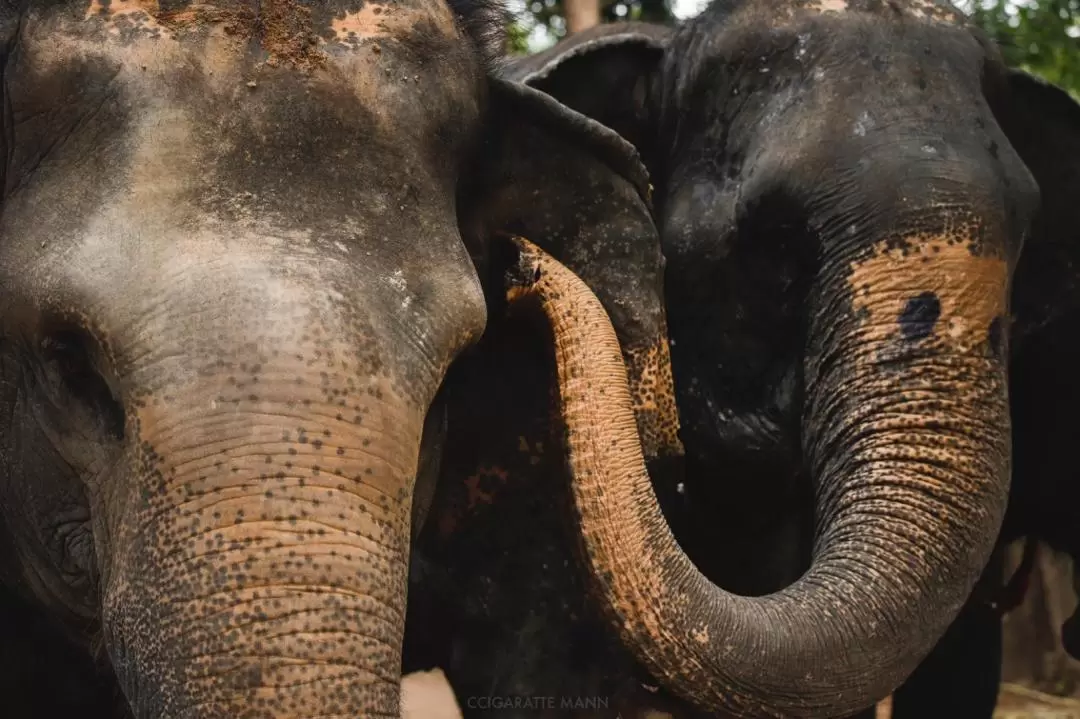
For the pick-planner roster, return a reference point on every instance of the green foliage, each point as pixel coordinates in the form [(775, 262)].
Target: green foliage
[(517, 40), (547, 16), (1041, 36)]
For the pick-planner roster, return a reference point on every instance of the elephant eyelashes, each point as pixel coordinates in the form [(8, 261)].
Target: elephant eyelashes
[(70, 370)]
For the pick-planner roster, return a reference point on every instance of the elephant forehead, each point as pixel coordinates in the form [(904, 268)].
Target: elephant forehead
[(288, 29), (932, 285), (181, 127), (363, 48)]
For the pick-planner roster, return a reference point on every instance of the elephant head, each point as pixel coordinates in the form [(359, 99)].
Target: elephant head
[(240, 249), (843, 191)]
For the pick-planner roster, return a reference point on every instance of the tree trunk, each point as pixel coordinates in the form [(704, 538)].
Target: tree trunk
[(581, 15)]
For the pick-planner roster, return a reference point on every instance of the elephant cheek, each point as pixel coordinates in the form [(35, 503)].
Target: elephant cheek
[(261, 563)]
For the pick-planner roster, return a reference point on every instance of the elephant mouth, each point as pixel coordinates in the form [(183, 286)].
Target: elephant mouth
[(714, 427)]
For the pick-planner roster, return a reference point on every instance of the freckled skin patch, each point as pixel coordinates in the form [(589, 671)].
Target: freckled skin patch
[(956, 297), (651, 385), (284, 27)]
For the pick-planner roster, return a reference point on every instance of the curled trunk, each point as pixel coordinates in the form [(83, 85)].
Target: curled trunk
[(906, 395)]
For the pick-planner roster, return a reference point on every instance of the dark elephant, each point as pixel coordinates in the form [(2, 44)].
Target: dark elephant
[(241, 245), (867, 222)]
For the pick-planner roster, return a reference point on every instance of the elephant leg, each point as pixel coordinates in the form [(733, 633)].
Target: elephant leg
[(960, 677)]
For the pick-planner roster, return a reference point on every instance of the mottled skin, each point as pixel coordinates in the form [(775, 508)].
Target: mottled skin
[(843, 192), (241, 249)]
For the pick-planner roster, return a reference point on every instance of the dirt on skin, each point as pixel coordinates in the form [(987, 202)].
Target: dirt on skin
[(283, 26)]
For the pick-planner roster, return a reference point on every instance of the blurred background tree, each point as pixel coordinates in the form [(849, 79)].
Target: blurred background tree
[(1041, 36), (543, 22), (552, 13)]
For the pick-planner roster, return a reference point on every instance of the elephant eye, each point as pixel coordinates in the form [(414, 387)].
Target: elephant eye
[(66, 351), (72, 374)]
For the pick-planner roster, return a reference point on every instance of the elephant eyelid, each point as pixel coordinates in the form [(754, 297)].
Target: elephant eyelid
[(75, 372)]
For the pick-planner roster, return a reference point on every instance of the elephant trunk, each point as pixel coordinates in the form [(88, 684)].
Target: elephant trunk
[(907, 431), (261, 566)]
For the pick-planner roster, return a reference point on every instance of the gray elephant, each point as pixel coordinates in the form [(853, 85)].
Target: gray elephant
[(241, 245), (867, 222)]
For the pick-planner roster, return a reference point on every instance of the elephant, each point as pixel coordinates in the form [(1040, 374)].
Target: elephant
[(242, 243), (818, 168)]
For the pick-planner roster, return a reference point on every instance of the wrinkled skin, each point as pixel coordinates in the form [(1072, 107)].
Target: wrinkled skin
[(242, 244), (844, 192)]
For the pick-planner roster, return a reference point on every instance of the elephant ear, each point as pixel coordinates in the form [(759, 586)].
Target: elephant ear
[(608, 73), (1042, 122), (580, 191)]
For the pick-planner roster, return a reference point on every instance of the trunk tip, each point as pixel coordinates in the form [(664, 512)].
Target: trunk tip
[(525, 270)]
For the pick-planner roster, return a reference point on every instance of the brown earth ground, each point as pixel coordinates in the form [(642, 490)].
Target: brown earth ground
[(1019, 702)]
